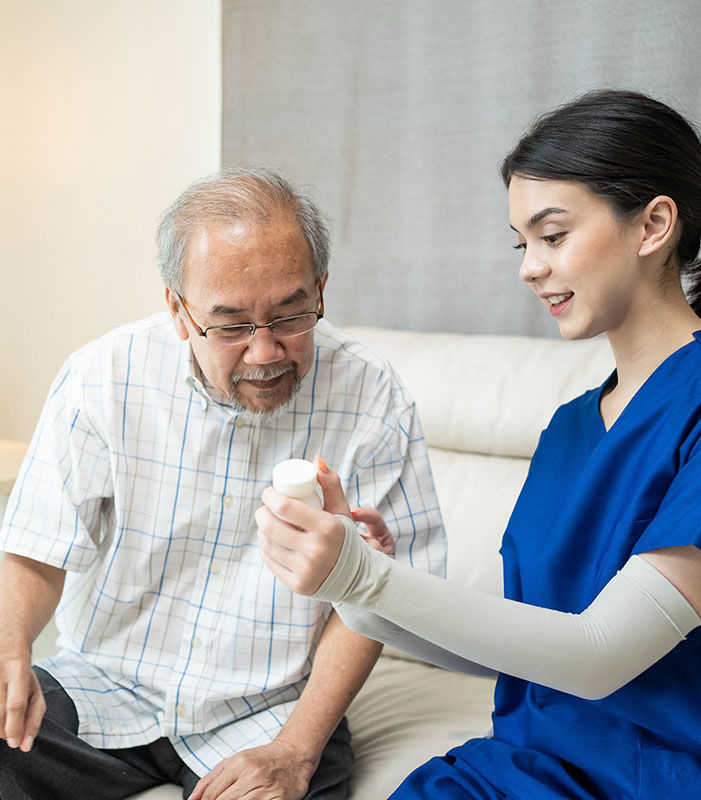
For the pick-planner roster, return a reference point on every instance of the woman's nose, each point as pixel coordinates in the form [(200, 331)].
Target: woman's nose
[(532, 268)]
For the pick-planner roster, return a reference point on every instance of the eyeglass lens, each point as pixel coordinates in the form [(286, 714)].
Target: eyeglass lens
[(282, 328)]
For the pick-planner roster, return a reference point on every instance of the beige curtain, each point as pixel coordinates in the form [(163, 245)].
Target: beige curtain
[(398, 112)]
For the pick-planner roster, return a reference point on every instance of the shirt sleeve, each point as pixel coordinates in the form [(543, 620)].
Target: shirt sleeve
[(395, 477), (54, 512), (677, 522)]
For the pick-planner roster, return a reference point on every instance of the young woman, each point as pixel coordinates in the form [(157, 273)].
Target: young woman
[(598, 638)]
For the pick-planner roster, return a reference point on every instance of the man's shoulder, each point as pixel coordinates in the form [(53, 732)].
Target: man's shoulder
[(154, 330), (352, 367), (336, 345), (127, 354)]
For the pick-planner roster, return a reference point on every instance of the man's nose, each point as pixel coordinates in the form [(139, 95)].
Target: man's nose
[(263, 348)]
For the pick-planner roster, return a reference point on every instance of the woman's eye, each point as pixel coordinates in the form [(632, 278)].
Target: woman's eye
[(553, 238), (520, 246)]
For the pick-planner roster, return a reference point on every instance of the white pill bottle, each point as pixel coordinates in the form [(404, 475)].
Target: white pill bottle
[(296, 478)]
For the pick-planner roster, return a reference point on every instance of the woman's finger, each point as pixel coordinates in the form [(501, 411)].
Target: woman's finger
[(277, 532), (378, 534), (334, 499), (293, 511)]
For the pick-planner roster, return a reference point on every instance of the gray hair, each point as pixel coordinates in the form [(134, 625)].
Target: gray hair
[(250, 193)]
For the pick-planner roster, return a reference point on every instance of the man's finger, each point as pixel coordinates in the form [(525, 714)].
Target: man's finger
[(35, 713), (226, 784), (200, 787), (17, 702)]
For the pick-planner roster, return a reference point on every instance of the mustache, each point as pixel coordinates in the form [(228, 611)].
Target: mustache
[(262, 373)]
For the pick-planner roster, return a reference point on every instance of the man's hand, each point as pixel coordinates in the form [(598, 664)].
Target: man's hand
[(22, 703), (275, 771), (29, 592)]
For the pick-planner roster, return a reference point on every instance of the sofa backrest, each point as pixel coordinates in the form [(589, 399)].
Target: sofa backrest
[(483, 401)]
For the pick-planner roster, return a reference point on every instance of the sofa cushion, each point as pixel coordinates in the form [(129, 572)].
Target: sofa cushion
[(408, 712), (489, 394), (476, 495)]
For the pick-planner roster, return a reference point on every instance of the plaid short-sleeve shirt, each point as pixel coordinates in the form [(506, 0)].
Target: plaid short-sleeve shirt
[(143, 488)]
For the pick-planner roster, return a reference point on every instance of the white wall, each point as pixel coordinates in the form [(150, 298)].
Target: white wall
[(108, 110)]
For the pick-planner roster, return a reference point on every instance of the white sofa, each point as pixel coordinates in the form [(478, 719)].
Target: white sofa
[(483, 401)]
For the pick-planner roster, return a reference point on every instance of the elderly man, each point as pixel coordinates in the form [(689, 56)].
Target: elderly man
[(181, 658)]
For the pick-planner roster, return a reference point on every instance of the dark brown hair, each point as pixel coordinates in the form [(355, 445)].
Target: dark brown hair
[(627, 148)]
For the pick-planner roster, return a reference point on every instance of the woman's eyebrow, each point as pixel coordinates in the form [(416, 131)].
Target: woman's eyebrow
[(539, 216)]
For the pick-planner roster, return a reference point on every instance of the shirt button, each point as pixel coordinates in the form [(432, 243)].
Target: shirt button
[(180, 709), (215, 567), (197, 642), (228, 500)]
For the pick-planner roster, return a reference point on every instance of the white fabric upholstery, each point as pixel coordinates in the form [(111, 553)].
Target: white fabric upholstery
[(488, 394), (483, 401)]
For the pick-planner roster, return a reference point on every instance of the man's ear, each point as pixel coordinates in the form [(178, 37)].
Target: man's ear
[(174, 307), (659, 218)]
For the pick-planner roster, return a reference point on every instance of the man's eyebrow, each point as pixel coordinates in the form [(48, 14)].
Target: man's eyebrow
[(299, 294), (540, 216)]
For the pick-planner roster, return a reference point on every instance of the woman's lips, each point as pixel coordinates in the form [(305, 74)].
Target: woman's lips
[(559, 303)]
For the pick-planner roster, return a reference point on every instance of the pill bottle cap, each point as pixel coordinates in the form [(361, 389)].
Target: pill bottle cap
[(295, 477)]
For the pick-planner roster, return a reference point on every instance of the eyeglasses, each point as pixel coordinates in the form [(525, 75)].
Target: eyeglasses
[(281, 328)]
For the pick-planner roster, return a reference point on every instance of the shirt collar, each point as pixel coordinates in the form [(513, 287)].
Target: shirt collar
[(198, 383)]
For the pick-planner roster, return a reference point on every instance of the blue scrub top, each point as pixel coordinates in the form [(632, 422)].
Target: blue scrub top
[(591, 500)]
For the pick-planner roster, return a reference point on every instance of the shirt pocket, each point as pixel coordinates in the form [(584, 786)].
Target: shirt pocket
[(668, 774)]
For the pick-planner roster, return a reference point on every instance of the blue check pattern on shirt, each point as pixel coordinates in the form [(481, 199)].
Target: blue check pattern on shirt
[(144, 490)]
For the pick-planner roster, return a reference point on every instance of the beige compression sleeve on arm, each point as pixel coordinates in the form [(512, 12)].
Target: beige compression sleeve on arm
[(637, 618)]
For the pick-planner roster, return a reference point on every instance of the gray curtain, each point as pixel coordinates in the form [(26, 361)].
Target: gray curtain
[(397, 112)]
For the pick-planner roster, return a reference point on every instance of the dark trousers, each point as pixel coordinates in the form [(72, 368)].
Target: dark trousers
[(60, 766)]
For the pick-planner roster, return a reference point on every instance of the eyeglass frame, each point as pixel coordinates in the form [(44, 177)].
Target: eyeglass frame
[(252, 325)]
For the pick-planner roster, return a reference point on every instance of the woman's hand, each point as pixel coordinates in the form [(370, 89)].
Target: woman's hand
[(303, 550), (377, 534)]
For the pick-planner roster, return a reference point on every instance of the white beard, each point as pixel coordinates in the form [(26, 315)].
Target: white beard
[(258, 417)]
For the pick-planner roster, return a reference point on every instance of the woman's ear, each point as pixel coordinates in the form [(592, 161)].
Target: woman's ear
[(174, 307), (659, 218)]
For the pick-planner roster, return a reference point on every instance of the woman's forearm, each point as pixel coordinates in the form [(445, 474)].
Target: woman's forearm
[(636, 619)]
